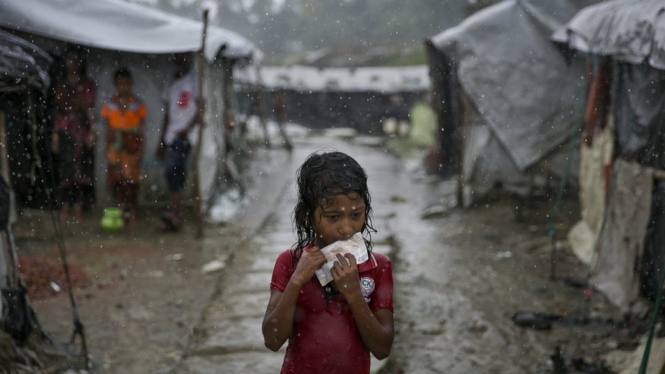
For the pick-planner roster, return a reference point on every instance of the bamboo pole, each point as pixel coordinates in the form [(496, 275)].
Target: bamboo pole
[(201, 110), (4, 160)]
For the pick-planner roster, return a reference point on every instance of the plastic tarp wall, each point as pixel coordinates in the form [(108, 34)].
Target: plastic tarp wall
[(623, 235), (151, 74), (632, 33), (526, 93), (140, 38)]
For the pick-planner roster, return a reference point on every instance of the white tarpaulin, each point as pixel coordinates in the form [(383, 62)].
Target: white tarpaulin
[(622, 240), (594, 161), (366, 79), (629, 31), (517, 79), (119, 26), (142, 39)]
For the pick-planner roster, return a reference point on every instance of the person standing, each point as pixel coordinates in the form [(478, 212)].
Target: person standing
[(73, 138), (124, 115), (179, 134)]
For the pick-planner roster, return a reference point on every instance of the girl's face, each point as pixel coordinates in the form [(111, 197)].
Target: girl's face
[(339, 219)]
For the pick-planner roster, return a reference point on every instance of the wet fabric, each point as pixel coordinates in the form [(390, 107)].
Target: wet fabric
[(527, 92), (176, 164), (616, 273), (121, 26), (124, 117), (325, 339), (653, 263), (629, 31), (181, 96), (73, 128), (124, 140), (596, 161), (22, 62), (597, 104), (639, 110)]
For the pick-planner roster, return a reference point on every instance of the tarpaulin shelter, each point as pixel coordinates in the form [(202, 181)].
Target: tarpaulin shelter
[(505, 96), (623, 233), (357, 97), (123, 34), (23, 345)]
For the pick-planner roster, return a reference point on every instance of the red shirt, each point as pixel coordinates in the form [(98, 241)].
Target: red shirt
[(325, 339)]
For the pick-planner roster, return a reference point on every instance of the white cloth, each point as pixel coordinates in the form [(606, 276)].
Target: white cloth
[(594, 161), (616, 272), (180, 97)]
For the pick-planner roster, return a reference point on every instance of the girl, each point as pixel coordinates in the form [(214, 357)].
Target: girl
[(330, 329)]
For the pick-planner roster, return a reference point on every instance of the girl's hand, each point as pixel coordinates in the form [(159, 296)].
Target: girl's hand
[(345, 275), (310, 260)]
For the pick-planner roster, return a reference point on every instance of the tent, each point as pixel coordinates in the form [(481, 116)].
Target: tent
[(117, 34), (622, 235), (506, 97), (24, 347), (357, 97)]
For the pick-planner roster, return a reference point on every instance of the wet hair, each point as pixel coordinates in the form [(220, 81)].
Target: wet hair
[(122, 73), (322, 177)]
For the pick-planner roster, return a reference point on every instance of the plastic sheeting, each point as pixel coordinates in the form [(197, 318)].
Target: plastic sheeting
[(519, 81), (595, 159), (120, 26), (639, 109), (22, 63), (362, 79), (616, 273), (630, 31)]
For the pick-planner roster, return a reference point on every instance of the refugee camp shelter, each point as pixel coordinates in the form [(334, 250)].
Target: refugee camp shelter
[(506, 98), (622, 190), (356, 97), (123, 34), (23, 79)]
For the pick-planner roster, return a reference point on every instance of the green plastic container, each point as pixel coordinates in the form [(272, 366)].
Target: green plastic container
[(112, 220)]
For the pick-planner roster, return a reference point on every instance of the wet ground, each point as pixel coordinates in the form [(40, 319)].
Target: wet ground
[(459, 277)]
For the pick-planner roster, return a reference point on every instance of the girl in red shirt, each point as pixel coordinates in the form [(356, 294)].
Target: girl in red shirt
[(331, 328)]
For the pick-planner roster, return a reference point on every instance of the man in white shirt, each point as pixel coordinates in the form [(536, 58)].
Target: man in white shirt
[(179, 133)]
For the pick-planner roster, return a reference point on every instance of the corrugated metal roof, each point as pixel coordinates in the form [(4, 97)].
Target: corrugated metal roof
[(630, 31)]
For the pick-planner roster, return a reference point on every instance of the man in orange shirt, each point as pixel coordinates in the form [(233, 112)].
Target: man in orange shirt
[(124, 115)]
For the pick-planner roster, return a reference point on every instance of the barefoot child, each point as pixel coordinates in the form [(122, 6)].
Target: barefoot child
[(331, 328), (124, 115)]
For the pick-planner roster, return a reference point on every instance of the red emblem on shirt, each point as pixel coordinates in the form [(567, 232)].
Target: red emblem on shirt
[(183, 100)]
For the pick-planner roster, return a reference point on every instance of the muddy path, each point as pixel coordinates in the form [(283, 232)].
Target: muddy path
[(148, 307)]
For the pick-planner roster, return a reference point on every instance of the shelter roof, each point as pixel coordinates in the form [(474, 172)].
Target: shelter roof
[(120, 25), (360, 79), (517, 79), (630, 31), (22, 63)]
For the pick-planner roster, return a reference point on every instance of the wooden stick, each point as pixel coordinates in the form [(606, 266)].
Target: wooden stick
[(659, 174), (3, 149), (197, 150)]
